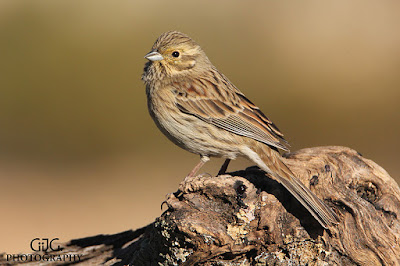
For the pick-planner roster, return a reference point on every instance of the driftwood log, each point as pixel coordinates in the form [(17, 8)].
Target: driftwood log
[(245, 218)]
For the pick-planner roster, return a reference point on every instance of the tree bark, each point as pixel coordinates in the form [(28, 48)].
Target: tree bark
[(247, 218)]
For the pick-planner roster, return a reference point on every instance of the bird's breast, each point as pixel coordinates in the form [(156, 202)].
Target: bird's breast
[(188, 131)]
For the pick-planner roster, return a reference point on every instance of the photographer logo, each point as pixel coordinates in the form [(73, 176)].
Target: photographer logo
[(45, 249), (44, 244)]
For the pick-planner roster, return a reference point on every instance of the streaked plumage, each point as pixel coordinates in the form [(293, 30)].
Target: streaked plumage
[(200, 110)]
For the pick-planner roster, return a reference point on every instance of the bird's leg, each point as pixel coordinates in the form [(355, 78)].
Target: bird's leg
[(222, 171), (203, 160)]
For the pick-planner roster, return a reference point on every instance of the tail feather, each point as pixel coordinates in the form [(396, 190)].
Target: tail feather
[(269, 161), (321, 212)]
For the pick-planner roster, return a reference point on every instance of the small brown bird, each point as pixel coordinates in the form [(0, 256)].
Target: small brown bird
[(201, 111)]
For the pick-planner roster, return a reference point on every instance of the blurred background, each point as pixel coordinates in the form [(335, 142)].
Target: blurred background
[(79, 154)]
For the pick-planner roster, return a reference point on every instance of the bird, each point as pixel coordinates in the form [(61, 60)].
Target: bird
[(200, 110)]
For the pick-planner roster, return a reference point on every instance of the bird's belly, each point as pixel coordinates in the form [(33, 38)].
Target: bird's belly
[(193, 134)]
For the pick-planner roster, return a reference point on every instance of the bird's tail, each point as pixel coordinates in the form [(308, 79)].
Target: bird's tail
[(270, 161)]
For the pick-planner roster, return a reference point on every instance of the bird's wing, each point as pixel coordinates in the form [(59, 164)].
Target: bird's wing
[(216, 101)]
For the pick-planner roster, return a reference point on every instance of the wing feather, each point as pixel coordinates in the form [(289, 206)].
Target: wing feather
[(204, 98)]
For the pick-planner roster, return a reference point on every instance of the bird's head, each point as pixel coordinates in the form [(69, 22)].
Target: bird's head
[(174, 55)]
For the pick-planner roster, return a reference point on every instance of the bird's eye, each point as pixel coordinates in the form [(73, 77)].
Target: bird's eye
[(175, 54)]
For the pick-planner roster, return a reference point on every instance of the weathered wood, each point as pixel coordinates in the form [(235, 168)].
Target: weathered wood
[(246, 218)]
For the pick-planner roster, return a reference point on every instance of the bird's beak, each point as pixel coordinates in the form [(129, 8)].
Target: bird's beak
[(154, 56)]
